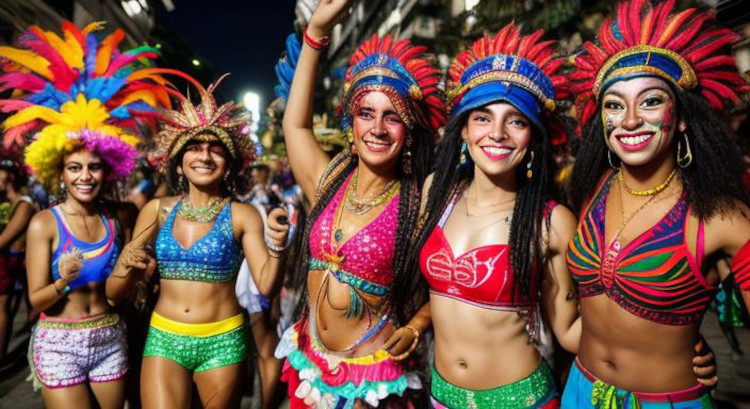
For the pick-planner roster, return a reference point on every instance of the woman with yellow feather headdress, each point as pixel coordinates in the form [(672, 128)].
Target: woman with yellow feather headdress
[(198, 331), (77, 95)]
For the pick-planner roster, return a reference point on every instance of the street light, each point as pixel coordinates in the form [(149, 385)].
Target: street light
[(252, 104)]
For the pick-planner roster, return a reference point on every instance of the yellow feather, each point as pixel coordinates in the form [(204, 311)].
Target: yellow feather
[(144, 95), (62, 48), (28, 59), (31, 113)]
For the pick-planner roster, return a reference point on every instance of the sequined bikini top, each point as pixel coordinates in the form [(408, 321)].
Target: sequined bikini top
[(365, 261), (654, 276), (98, 258), (213, 258), (481, 276)]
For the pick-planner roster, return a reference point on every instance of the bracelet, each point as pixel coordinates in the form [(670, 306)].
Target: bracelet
[(273, 247), (322, 44), (413, 346)]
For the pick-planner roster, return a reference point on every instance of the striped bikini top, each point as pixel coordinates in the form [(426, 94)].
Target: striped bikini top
[(98, 258), (213, 258), (654, 276)]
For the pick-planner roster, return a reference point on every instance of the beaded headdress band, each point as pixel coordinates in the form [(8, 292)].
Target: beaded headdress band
[(77, 91), (686, 49), (398, 69), (507, 67), (228, 123)]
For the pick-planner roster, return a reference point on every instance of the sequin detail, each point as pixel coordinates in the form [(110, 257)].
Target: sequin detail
[(369, 253), (535, 391), (67, 352), (213, 258), (198, 354)]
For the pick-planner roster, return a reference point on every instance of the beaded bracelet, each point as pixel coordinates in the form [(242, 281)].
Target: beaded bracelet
[(322, 44)]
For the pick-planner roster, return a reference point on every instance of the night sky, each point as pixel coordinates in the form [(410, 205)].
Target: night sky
[(243, 37)]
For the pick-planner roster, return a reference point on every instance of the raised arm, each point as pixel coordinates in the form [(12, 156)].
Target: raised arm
[(558, 290), (135, 261), (265, 264), (308, 161)]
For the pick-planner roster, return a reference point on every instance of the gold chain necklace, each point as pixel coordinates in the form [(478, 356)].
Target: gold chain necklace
[(647, 192), (202, 214), (361, 206), (625, 221), (470, 215)]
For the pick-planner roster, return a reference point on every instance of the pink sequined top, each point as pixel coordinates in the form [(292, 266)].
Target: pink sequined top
[(365, 260)]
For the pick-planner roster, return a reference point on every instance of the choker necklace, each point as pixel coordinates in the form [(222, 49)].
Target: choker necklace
[(203, 214), (361, 206), (646, 192)]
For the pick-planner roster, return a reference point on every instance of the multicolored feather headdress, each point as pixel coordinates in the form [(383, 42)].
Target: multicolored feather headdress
[(398, 69), (77, 91), (686, 49), (507, 67), (228, 123)]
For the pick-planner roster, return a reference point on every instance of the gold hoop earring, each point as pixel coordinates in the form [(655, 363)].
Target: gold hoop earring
[(687, 159), (609, 159)]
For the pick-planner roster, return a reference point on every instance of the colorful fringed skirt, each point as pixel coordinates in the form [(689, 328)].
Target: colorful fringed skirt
[(318, 378)]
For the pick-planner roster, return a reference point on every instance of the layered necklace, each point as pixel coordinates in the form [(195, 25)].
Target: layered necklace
[(202, 214), (361, 206)]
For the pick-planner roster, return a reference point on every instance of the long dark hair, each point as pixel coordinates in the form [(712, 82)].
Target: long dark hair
[(405, 294), (713, 181), (528, 212)]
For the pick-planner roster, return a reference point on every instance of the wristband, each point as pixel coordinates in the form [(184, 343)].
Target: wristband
[(273, 247), (322, 44)]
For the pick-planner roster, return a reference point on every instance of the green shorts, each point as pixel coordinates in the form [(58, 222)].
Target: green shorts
[(198, 347)]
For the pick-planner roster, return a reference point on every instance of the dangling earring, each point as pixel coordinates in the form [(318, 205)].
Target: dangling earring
[(684, 161), (350, 140), (182, 183), (63, 191), (227, 182), (464, 154), (529, 171), (406, 160), (609, 159)]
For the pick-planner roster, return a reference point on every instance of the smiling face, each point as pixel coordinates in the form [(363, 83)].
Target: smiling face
[(204, 164), (640, 119), (83, 175), (379, 133), (497, 136)]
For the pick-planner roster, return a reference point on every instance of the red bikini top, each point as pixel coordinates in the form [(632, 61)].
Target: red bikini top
[(481, 276)]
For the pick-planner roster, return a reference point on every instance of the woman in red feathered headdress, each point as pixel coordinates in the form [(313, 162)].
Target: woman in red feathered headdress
[(365, 204), (658, 181), (492, 234)]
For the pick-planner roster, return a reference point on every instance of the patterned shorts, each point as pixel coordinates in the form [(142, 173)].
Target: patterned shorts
[(66, 352)]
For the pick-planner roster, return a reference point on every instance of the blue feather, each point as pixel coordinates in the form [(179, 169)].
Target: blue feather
[(286, 66), (92, 45)]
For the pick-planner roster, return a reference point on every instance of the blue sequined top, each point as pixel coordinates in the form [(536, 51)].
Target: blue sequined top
[(214, 258)]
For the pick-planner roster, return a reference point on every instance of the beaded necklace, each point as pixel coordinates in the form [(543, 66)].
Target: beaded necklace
[(202, 214), (361, 206), (646, 192)]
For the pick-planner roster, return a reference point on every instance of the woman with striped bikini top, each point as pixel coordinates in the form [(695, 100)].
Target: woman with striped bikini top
[(655, 276)]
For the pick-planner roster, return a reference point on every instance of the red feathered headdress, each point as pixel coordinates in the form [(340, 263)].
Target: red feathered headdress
[(509, 67), (400, 70), (687, 49)]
